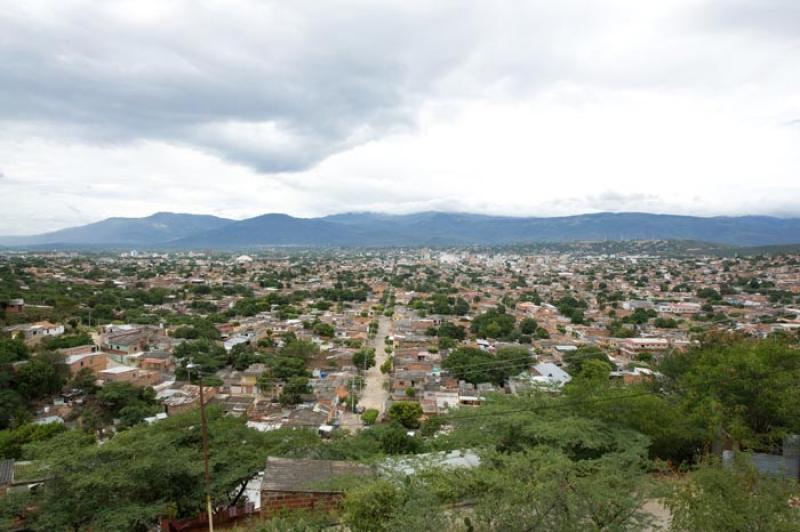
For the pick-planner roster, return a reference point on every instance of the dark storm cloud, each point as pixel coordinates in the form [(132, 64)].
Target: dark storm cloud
[(279, 86), (288, 87), (528, 107)]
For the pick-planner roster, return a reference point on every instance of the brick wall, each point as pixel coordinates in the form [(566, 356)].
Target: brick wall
[(276, 502)]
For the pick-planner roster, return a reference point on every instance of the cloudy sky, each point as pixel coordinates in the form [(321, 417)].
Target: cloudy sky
[(238, 107)]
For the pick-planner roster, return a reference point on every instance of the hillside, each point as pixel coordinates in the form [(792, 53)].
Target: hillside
[(188, 231), (154, 229)]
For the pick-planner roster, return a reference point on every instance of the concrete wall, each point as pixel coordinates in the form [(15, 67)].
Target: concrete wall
[(785, 465)]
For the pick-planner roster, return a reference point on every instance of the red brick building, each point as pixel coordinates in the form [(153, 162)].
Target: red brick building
[(291, 484)]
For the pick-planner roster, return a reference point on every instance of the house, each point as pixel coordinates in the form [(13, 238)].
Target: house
[(634, 346), (135, 376), (15, 306), (32, 332), (682, 307), (233, 405), (233, 341), (551, 374), (242, 382), (16, 476), (292, 484), (633, 376), (77, 350), (178, 398), (95, 361), (155, 363), (544, 375), (134, 340)]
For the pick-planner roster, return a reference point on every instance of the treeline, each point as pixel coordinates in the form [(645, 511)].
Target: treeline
[(586, 459)]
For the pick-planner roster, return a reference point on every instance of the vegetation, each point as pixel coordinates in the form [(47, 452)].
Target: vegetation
[(406, 413), (719, 499), (493, 323), (364, 358), (583, 457), (370, 416), (477, 366)]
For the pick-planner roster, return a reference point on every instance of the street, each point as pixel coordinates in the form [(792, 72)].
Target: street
[(374, 394)]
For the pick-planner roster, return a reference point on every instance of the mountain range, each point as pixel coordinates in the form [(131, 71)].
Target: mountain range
[(192, 231)]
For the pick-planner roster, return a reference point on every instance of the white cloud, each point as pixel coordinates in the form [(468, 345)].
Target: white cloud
[(527, 108)]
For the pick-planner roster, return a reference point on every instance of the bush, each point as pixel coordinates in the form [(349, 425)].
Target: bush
[(370, 416), (406, 413), (364, 358), (368, 508)]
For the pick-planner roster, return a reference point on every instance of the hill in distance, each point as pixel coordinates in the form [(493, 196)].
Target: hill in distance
[(190, 231), (154, 229)]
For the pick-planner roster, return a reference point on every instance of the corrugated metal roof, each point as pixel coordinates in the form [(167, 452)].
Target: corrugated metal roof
[(286, 474), (6, 472)]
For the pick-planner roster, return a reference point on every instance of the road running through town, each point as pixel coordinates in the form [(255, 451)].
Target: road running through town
[(375, 394)]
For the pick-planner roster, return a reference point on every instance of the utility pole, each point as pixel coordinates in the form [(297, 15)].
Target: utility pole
[(352, 395), (204, 431), (364, 377)]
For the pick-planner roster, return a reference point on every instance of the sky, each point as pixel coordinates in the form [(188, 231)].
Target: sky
[(536, 108)]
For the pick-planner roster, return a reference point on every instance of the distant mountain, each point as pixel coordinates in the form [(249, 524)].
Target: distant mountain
[(269, 230), (155, 229), (186, 231)]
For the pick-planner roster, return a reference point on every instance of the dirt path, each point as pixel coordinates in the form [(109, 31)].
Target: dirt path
[(374, 394), (661, 515)]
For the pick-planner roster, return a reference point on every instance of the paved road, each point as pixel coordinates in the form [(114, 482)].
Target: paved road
[(374, 394)]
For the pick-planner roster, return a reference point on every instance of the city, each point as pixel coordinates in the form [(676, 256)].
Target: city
[(400, 266), (354, 355)]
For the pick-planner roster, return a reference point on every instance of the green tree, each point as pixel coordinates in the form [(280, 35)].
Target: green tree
[(394, 440), (450, 330), (12, 408), (494, 323), (717, 499), (575, 360), (13, 351), (128, 402), (324, 329), (543, 489), (369, 507), (13, 440), (84, 380), (746, 389), (66, 341), (293, 391), (39, 378), (477, 366), (407, 413), (364, 358), (370, 416), (286, 367), (205, 353), (133, 478), (304, 349), (528, 326)]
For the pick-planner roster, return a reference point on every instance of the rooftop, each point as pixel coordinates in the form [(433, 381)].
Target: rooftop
[(288, 474)]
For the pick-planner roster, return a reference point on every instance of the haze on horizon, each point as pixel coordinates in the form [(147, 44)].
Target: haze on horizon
[(238, 108)]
